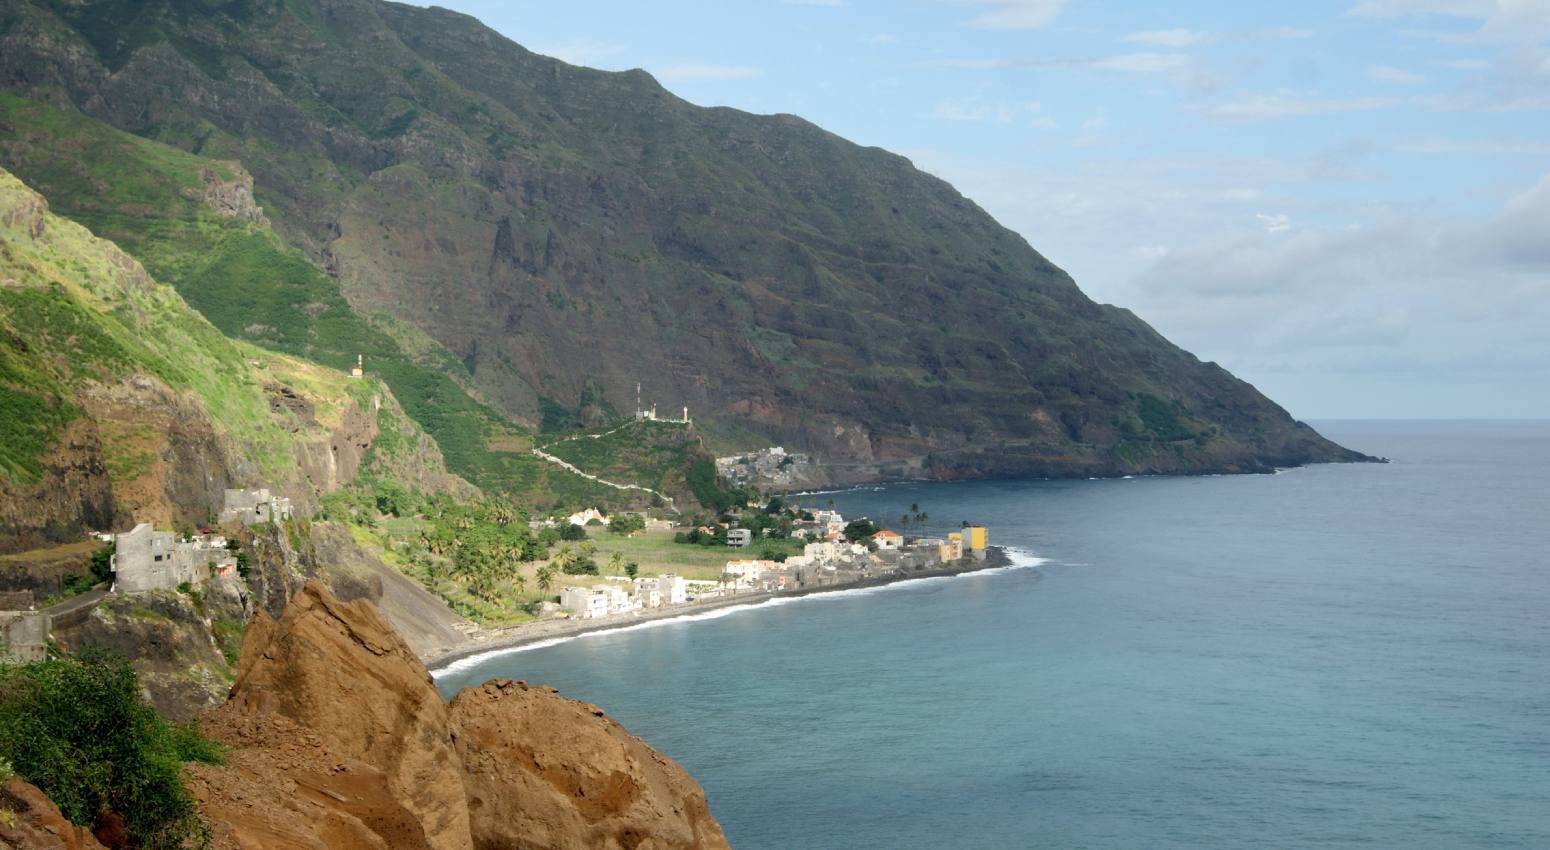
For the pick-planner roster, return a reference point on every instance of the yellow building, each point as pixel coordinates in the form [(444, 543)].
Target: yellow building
[(952, 550), (974, 538), (359, 369)]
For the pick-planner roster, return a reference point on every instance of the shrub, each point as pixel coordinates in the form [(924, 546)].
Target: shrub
[(77, 728), (623, 523)]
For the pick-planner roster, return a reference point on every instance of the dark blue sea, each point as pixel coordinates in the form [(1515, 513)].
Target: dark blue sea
[(1342, 655)]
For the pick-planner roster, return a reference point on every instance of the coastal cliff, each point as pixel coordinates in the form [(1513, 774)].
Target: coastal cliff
[(340, 740)]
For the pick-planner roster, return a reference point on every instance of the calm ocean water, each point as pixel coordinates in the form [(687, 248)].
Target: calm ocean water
[(1331, 656)]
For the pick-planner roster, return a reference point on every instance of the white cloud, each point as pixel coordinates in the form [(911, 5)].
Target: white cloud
[(581, 52), (883, 38), (1467, 64), (1168, 38), (1475, 147), (1277, 106), (1092, 132), (1278, 223), (1279, 33), (1014, 14), (1403, 8), (1394, 76), (696, 72), (976, 110), (1145, 63)]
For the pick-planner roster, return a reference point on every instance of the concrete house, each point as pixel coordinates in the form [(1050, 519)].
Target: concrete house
[(146, 559), (673, 588), (254, 507), (25, 636), (737, 538), (886, 539)]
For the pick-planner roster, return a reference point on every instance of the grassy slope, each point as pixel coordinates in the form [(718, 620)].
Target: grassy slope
[(148, 198), (74, 310)]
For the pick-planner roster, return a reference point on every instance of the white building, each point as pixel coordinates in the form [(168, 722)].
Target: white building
[(750, 570), (672, 588), (647, 593), (821, 553), (737, 538), (586, 516), (585, 602), (886, 539)]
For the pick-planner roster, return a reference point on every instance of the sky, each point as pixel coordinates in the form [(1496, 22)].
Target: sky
[(1346, 203)]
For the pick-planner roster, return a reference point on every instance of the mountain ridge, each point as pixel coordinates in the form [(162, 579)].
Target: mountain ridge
[(566, 233)]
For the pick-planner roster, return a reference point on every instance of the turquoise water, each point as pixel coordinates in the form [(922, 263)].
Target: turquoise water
[(1331, 656)]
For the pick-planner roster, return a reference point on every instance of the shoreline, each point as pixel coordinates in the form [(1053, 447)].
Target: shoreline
[(526, 634)]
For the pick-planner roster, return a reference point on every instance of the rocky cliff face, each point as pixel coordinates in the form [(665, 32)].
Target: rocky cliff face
[(343, 742), (565, 233)]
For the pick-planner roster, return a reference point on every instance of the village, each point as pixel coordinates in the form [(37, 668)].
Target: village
[(807, 551), (829, 559)]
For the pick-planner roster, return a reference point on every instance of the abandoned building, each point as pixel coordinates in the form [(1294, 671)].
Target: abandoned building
[(254, 507), (23, 636)]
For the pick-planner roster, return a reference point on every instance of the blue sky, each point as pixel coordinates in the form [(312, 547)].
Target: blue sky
[(1345, 203)]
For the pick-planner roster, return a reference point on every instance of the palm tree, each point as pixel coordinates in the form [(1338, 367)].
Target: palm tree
[(520, 581), (616, 563), (546, 578)]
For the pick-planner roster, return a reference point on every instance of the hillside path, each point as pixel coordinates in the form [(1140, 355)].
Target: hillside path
[(570, 467)]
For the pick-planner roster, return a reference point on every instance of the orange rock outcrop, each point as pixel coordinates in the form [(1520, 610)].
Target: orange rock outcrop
[(340, 740)]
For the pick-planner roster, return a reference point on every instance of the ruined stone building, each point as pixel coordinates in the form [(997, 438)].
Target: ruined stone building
[(254, 507)]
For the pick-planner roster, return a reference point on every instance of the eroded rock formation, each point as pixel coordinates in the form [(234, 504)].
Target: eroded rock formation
[(342, 741)]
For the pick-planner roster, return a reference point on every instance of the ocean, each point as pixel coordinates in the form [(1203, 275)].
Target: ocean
[(1332, 656)]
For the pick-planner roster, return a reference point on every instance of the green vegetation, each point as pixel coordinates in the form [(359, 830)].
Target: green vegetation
[(860, 531), (77, 728), (283, 302), (99, 569)]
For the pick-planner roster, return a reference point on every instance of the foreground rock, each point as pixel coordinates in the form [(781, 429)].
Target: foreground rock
[(545, 771), (338, 668), (29, 820), (284, 788), (340, 740)]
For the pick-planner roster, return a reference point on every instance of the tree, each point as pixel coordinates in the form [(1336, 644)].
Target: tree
[(860, 530), (546, 578), (616, 563), (571, 531), (632, 569), (520, 581)]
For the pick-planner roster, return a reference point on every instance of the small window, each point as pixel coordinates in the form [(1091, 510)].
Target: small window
[(158, 557)]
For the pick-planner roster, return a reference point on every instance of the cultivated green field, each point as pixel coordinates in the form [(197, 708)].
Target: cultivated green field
[(656, 553)]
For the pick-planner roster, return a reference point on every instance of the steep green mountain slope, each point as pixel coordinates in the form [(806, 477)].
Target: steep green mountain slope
[(567, 232), (123, 405), (192, 221)]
